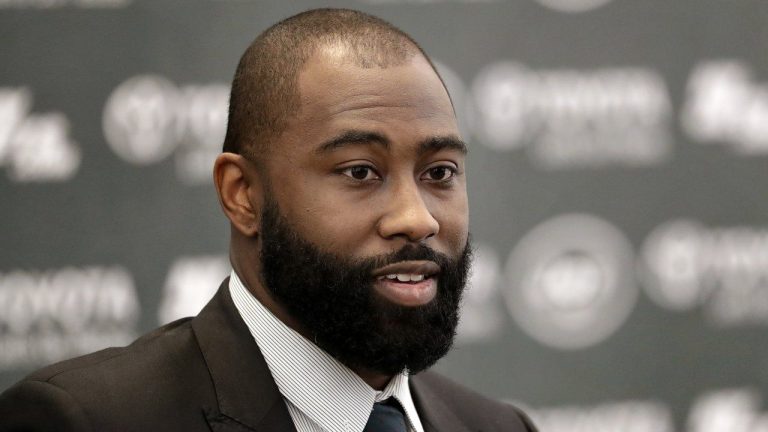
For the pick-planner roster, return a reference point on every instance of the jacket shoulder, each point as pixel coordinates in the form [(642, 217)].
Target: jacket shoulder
[(162, 374), (121, 362), (474, 409), (40, 406)]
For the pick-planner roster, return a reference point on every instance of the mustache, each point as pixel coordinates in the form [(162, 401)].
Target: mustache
[(409, 252)]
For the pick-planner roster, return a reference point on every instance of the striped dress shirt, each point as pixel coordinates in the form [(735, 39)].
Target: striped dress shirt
[(322, 395)]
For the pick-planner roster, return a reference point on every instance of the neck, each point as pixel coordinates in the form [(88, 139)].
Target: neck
[(376, 380)]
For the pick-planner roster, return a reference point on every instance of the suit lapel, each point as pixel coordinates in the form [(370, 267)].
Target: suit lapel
[(248, 397), (434, 414)]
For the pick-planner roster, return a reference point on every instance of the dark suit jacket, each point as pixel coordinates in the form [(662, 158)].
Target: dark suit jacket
[(204, 374)]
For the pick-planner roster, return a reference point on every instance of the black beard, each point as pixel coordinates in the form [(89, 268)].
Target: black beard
[(334, 300)]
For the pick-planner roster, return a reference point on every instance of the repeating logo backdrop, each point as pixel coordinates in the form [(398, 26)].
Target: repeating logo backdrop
[(617, 175)]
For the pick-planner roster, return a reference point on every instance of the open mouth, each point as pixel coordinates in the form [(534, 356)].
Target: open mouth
[(408, 283), (407, 271), (404, 277)]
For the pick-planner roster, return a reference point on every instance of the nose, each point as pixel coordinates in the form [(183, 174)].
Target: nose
[(407, 215)]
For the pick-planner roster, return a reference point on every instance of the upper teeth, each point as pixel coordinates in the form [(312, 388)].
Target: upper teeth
[(405, 277)]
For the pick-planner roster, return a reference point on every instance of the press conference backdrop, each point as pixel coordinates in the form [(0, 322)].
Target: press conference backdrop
[(618, 179)]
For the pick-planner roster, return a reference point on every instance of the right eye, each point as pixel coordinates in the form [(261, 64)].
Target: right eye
[(360, 172)]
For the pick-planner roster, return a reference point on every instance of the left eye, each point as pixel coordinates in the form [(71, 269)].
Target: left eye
[(440, 173), (360, 172)]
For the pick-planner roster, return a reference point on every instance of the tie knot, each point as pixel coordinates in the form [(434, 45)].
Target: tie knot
[(386, 416)]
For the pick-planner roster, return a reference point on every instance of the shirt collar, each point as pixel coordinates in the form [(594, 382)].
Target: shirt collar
[(311, 379)]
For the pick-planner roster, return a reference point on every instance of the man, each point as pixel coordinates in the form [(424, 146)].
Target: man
[(343, 179)]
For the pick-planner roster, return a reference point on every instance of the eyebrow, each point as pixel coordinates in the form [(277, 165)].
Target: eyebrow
[(353, 137), (356, 137), (438, 143)]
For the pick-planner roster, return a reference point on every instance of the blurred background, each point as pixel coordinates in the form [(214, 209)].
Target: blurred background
[(618, 181)]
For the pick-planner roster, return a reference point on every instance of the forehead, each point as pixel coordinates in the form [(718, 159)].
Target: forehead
[(335, 92)]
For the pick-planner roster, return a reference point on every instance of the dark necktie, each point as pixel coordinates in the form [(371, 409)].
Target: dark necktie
[(386, 416)]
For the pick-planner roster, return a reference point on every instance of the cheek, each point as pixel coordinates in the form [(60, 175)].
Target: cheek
[(458, 230), (317, 209), (453, 216), (332, 223)]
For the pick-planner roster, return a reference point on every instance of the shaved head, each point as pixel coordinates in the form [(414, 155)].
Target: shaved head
[(265, 87)]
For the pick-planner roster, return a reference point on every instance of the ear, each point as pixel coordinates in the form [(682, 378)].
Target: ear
[(240, 191)]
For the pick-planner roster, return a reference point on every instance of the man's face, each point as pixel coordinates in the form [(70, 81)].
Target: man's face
[(368, 181)]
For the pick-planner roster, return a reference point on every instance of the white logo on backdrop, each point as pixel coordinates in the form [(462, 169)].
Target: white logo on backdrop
[(148, 117), (574, 118), (725, 105), (573, 6), (673, 265), (53, 4), (204, 115), (35, 147), (481, 317), (190, 284), (501, 100), (51, 315), (735, 410), (140, 121), (571, 282), (618, 416), (723, 270)]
